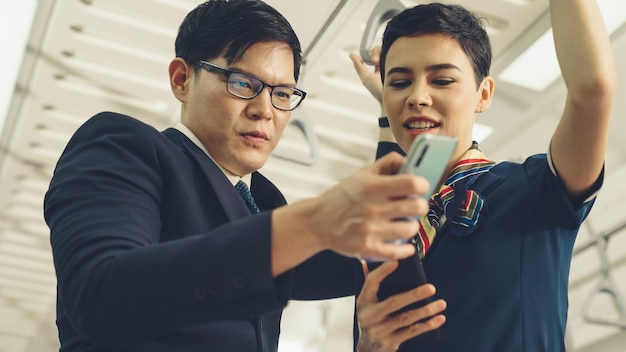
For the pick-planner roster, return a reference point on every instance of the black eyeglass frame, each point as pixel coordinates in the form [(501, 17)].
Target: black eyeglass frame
[(226, 72)]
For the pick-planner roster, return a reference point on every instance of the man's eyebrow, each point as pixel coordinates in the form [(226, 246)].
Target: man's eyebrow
[(239, 70), (436, 67)]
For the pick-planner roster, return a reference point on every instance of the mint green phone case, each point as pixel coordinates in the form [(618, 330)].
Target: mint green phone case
[(428, 157)]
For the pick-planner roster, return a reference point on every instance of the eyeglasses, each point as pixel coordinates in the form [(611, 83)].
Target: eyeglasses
[(245, 86)]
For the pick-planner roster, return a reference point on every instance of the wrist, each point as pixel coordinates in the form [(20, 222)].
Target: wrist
[(292, 240), (384, 132)]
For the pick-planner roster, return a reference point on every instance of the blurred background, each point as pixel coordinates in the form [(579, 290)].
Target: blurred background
[(65, 60)]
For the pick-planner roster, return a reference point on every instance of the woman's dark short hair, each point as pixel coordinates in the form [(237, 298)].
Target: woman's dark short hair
[(436, 18), (229, 28)]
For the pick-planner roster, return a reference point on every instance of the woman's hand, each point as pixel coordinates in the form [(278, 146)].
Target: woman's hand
[(370, 79), (379, 329)]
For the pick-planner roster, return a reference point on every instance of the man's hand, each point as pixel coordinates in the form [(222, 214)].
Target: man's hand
[(358, 217)]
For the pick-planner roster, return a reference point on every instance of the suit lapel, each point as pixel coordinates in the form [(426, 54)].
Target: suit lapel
[(233, 204), (265, 193)]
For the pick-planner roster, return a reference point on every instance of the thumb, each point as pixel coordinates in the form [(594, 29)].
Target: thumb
[(375, 55), (369, 292), (389, 164), (359, 64)]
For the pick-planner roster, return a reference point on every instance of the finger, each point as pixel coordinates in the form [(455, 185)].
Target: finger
[(391, 250), (396, 338), (384, 238), (370, 312), (399, 186), (389, 164), (394, 330), (428, 311), (401, 208), (401, 300), (420, 328), (412, 317), (375, 55), (393, 234), (359, 65), (369, 292)]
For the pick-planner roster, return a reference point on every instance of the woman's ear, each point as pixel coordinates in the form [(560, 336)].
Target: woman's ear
[(485, 91), (181, 74)]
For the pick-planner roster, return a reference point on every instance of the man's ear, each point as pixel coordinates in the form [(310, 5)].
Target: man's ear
[(181, 74), (485, 91)]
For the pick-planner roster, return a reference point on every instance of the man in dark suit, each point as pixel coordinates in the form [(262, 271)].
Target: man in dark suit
[(154, 247)]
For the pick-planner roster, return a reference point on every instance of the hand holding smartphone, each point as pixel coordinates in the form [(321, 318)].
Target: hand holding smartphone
[(428, 157)]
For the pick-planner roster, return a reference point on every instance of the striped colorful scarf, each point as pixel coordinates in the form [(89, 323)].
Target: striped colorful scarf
[(455, 200)]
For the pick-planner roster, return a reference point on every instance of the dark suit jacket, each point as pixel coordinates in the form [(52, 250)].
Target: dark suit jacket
[(154, 249)]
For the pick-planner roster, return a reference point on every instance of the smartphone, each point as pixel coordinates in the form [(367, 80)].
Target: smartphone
[(408, 275), (428, 157)]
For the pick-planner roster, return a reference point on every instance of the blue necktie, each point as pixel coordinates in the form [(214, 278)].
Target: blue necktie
[(244, 191)]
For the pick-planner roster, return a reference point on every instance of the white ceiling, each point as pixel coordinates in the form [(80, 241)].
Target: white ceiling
[(85, 56)]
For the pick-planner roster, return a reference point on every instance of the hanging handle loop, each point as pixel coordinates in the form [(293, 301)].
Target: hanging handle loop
[(383, 12)]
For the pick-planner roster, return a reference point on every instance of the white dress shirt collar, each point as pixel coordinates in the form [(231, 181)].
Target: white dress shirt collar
[(231, 177)]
